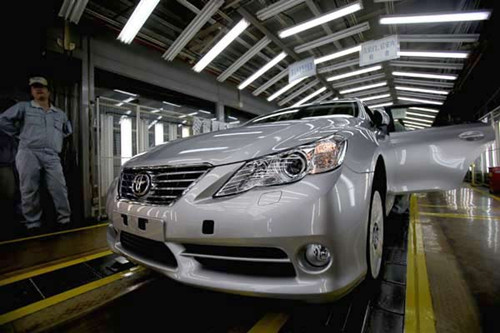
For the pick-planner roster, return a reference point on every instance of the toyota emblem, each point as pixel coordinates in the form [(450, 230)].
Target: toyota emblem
[(141, 184)]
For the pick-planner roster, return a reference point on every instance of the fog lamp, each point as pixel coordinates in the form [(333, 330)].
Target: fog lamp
[(317, 255)]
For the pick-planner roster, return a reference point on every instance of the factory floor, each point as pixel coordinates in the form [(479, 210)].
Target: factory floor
[(440, 274)]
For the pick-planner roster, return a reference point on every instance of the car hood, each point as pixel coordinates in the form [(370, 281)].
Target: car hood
[(244, 143)]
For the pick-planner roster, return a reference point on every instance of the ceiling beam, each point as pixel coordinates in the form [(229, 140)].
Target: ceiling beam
[(276, 8), (243, 59), (253, 20), (192, 29), (298, 92), (332, 37)]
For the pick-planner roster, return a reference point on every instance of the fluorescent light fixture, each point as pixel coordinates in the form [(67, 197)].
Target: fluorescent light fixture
[(418, 100), (333, 15), (159, 117), (332, 38), (434, 54), (125, 139), (437, 18), (130, 99), (428, 91), (235, 122), (157, 110), (414, 127), (158, 134), (420, 120), (358, 72), (412, 123), (408, 113), (338, 54), (370, 86), (264, 69), (285, 89), (213, 118), (221, 45), (125, 92), (203, 111), (424, 109), (380, 105), (183, 116), (309, 97), (371, 98), (137, 20), (184, 121), (192, 113), (172, 104), (426, 75), (233, 118)]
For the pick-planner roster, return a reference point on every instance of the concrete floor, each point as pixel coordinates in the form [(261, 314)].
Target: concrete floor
[(461, 230)]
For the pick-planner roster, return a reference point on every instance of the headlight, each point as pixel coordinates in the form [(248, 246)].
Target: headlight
[(288, 167)]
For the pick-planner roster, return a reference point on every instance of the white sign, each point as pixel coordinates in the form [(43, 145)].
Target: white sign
[(300, 69), (380, 50), (398, 113)]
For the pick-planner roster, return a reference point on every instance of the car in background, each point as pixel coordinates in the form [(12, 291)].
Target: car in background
[(290, 205)]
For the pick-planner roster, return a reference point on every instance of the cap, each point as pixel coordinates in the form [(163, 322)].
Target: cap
[(38, 80)]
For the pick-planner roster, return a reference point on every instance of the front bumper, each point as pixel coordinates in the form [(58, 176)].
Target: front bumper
[(330, 209)]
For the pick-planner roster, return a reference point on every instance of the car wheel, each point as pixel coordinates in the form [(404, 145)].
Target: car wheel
[(375, 239)]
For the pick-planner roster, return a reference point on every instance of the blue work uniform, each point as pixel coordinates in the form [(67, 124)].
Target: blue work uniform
[(41, 135)]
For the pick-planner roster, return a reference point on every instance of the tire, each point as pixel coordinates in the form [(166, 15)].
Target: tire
[(375, 235)]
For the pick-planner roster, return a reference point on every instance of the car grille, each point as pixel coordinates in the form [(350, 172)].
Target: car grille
[(167, 184), (240, 260), (148, 248)]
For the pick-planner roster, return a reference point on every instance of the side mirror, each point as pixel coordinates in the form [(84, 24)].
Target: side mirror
[(381, 118)]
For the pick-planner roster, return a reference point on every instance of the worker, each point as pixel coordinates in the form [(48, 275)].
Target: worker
[(41, 128)]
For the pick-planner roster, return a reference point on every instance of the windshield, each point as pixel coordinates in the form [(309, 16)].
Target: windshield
[(310, 112)]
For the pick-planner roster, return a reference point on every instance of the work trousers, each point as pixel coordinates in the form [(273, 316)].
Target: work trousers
[(30, 165)]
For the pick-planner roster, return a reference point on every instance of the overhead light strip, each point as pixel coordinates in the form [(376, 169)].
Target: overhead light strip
[(309, 97), (434, 54), (371, 98), (381, 105), (418, 100), (333, 15), (276, 8), (420, 115), (439, 38), (137, 20), (424, 109), (261, 71), (172, 104), (338, 54), (354, 73), (284, 89), (426, 64), (192, 29), (357, 29), (244, 59), (428, 91), (416, 123), (370, 86), (436, 18), (125, 92), (322, 98), (425, 75), (425, 121), (221, 45)]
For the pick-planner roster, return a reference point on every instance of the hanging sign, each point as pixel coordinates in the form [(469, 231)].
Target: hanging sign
[(380, 50), (301, 69)]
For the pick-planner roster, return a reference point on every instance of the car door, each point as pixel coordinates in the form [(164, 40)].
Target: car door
[(436, 158)]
